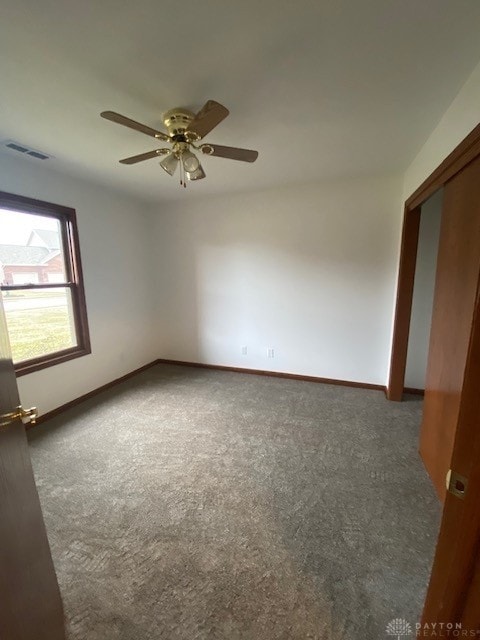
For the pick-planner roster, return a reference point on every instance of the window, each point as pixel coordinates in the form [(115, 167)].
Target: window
[(41, 283)]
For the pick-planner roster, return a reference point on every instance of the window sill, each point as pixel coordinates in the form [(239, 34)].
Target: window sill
[(50, 360)]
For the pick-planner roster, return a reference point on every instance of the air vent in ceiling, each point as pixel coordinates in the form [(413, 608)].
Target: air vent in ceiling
[(17, 147), (37, 154), (21, 148)]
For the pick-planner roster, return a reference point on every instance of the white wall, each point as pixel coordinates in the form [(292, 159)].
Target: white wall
[(308, 271), (116, 250), (456, 123), (422, 304)]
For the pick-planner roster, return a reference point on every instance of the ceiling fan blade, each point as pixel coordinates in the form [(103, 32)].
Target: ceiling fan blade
[(211, 114), (132, 124), (144, 156), (233, 153)]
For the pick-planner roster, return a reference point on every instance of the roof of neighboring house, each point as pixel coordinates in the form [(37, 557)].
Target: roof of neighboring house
[(15, 254), (49, 239)]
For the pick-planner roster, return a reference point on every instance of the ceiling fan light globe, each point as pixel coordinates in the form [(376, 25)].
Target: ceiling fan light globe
[(190, 162), (198, 174), (169, 164)]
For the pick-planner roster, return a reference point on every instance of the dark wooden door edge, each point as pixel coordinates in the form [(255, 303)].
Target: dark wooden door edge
[(403, 307), (457, 160), (459, 541)]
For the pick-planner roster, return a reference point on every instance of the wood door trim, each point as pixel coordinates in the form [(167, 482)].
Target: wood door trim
[(463, 154), (458, 159), (403, 308)]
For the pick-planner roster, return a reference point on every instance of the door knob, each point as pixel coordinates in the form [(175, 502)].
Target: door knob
[(27, 415)]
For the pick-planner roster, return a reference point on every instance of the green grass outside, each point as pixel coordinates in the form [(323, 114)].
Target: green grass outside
[(36, 332), (22, 294)]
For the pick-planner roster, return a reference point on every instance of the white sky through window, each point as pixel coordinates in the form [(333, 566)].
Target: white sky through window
[(16, 226)]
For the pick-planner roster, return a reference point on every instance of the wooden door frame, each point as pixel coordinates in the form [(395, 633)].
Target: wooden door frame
[(462, 155)]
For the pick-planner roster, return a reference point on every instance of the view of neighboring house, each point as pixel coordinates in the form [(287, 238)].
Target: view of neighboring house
[(37, 262)]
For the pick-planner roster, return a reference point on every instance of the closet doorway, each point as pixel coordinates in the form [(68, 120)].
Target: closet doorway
[(450, 438)]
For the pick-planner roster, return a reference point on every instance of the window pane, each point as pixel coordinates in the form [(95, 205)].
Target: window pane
[(30, 249), (39, 321), (25, 277)]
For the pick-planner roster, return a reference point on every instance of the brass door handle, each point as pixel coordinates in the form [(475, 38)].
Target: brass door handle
[(28, 415)]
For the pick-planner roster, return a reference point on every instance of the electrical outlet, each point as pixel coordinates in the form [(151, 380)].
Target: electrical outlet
[(244, 350), (270, 352)]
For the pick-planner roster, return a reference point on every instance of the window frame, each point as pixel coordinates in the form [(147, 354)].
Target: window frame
[(73, 278)]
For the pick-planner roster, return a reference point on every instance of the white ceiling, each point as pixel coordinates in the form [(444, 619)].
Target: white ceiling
[(323, 89)]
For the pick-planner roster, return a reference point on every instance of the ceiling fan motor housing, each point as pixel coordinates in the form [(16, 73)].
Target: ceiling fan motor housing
[(177, 120)]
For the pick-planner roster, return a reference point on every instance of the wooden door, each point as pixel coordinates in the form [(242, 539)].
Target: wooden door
[(457, 276), (454, 590), (30, 602)]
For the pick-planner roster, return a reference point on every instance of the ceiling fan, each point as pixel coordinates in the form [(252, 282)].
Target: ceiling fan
[(185, 128)]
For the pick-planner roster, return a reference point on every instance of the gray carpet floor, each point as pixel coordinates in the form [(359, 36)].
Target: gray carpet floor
[(192, 504)]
